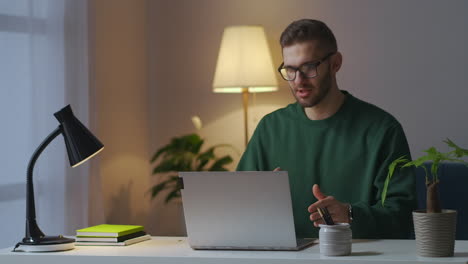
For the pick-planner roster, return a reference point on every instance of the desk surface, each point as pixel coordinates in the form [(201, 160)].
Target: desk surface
[(176, 250)]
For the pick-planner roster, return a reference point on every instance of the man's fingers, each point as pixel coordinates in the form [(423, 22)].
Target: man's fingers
[(312, 208), (317, 193), (337, 209), (277, 169), (319, 196), (326, 202), (315, 217), (320, 222)]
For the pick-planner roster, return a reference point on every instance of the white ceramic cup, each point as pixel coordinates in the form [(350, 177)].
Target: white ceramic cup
[(335, 240)]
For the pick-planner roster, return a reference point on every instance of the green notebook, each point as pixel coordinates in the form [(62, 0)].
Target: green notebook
[(106, 230)]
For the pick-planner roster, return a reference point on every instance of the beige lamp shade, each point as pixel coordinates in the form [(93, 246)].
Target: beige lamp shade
[(244, 62)]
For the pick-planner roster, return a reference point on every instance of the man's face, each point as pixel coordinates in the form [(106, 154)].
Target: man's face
[(308, 92)]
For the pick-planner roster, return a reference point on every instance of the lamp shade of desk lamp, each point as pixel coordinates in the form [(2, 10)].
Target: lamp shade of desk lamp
[(81, 145), (244, 65)]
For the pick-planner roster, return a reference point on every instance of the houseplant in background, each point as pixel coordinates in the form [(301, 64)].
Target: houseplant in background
[(434, 227), (184, 153)]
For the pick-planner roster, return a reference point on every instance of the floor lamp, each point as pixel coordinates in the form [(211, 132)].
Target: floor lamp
[(244, 65)]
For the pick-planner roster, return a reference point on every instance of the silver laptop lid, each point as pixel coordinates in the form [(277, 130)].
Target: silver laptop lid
[(238, 210)]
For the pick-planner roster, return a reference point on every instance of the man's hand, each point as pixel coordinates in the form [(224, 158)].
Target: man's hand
[(337, 209)]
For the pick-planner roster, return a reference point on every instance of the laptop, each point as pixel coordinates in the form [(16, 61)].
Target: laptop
[(242, 210)]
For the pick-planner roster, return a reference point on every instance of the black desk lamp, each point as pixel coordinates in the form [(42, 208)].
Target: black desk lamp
[(81, 145)]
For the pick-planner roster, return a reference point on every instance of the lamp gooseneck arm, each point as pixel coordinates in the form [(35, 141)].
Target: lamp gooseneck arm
[(32, 230)]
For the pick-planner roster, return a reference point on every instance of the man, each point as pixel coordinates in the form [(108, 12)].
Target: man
[(333, 143)]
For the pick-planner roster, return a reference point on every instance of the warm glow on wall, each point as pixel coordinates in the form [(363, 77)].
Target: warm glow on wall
[(244, 64)]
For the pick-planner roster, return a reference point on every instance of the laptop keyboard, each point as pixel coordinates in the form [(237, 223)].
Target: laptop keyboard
[(303, 241)]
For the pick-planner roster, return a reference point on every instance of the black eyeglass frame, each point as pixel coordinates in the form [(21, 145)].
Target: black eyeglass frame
[(313, 64)]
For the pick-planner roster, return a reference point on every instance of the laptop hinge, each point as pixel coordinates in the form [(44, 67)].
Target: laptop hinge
[(180, 183)]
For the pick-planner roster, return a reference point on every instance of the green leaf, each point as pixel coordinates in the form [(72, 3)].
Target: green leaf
[(426, 173), (168, 166), (434, 171), (391, 170), (205, 157), (164, 166), (459, 152), (434, 156), (219, 164), (155, 190), (184, 154), (159, 152), (158, 188), (191, 143), (172, 195), (432, 152), (418, 162), (208, 154)]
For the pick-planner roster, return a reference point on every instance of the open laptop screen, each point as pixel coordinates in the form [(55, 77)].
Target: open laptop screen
[(238, 210)]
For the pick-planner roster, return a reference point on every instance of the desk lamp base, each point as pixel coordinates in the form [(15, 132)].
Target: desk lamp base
[(45, 244)]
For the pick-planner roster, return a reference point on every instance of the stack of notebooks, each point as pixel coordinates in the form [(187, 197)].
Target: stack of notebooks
[(110, 235)]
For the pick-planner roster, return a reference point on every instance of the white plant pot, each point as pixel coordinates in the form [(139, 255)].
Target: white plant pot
[(435, 233)]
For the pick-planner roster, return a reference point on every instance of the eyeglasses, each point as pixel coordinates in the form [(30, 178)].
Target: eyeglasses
[(308, 69)]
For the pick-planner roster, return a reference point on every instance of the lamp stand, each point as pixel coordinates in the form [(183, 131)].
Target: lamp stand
[(35, 240), (245, 104)]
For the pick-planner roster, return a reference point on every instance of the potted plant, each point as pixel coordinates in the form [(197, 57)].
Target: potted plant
[(434, 227), (184, 153)]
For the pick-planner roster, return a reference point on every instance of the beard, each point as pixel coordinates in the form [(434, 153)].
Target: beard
[(314, 99)]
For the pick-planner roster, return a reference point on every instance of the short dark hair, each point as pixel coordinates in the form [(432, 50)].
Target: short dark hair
[(309, 29)]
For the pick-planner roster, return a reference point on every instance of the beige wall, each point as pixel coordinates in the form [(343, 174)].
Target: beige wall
[(120, 80), (184, 43)]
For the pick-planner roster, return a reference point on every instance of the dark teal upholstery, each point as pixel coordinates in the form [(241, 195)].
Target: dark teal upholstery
[(453, 190)]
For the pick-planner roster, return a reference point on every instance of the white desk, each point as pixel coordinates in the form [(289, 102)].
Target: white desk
[(161, 250)]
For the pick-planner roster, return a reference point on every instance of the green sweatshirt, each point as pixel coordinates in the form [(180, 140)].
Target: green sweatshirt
[(347, 155)]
